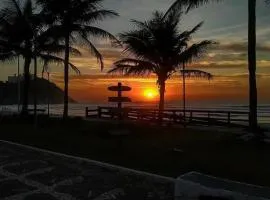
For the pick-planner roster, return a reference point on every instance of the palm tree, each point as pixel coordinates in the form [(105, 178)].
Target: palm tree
[(253, 121), (158, 47), (22, 32), (72, 22)]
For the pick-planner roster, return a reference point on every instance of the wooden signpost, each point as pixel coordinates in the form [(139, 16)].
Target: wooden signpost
[(119, 133), (119, 87), (119, 99)]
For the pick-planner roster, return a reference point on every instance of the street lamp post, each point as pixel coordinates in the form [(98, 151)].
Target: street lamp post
[(19, 84), (48, 93), (184, 92)]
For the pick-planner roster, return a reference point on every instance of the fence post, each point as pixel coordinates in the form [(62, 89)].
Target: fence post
[(174, 117), (86, 112), (229, 118), (99, 112), (209, 118), (190, 116)]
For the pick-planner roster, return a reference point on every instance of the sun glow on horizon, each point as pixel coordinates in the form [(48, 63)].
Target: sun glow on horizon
[(150, 94)]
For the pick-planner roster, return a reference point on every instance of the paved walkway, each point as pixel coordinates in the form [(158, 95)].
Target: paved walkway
[(29, 174)]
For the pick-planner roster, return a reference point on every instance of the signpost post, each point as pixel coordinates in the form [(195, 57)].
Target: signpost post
[(119, 133), (119, 99)]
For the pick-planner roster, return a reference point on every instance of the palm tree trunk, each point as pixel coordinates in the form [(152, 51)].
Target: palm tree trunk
[(162, 96), (27, 62), (252, 66), (66, 76), (161, 99)]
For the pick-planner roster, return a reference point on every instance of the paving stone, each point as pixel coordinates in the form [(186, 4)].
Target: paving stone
[(6, 151), (6, 155), (89, 188), (41, 196), (26, 167), (54, 176), (2, 176), (134, 187), (13, 187), (74, 178)]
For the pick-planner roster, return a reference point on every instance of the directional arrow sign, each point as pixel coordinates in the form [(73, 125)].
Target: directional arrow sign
[(119, 88), (119, 99)]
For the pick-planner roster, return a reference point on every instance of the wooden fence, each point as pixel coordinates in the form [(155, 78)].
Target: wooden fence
[(172, 116)]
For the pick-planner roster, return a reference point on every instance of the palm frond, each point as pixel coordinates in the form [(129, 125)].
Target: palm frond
[(140, 24), (58, 49), (47, 58), (129, 70), (15, 6), (54, 32), (135, 67), (195, 51), (94, 51), (173, 15), (98, 15), (191, 73), (80, 17), (177, 6), (180, 5), (147, 43), (138, 43), (196, 28), (96, 32), (133, 61)]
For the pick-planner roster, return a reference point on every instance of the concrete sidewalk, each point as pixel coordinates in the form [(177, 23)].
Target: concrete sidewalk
[(31, 174)]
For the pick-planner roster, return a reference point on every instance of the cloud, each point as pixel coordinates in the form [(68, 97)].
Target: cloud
[(230, 64), (241, 47), (216, 56)]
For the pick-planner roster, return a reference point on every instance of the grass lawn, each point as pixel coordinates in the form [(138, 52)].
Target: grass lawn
[(149, 148)]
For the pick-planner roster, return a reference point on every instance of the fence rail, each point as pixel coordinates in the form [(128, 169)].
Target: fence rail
[(173, 116)]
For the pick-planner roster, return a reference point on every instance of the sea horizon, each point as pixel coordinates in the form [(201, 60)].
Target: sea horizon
[(78, 109)]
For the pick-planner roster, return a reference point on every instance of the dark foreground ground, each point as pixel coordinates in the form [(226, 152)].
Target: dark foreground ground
[(165, 151), (26, 174)]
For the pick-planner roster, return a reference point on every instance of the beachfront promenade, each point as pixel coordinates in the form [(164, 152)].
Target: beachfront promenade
[(27, 174)]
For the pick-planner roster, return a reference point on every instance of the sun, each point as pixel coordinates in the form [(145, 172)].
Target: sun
[(150, 93)]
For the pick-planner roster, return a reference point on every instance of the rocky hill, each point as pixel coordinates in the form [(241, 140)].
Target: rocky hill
[(45, 91)]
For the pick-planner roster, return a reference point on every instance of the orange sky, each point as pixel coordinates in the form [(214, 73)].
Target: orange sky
[(222, 89), (227, 61), (229, 67)]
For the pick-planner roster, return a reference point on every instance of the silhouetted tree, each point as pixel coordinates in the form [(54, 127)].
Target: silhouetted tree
[(190, 4), (72, 22), (158, 47), (24, 32)]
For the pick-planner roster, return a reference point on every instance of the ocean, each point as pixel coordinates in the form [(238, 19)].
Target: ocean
[(79, 109)]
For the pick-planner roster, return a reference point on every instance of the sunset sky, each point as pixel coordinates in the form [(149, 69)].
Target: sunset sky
[(225, 23)]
